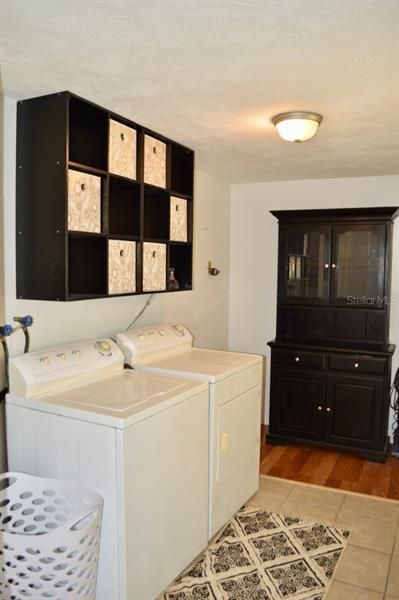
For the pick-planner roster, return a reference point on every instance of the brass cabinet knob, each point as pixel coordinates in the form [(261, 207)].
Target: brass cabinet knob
[(356, 365), (326, 266), (319, 408), (297, 359), (333, 266), (328, 409)]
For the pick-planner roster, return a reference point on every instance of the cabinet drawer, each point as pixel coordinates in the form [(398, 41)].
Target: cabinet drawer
[(122, 150), (84, 202), (154, 267), (289, 358), (121, 267), (154, 161), (357, 363), (178, 219)]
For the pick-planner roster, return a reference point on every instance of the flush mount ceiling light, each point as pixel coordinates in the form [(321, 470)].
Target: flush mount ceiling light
[(297, 126)]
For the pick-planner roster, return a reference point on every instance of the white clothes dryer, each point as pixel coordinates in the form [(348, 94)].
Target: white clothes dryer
[(235, 383)]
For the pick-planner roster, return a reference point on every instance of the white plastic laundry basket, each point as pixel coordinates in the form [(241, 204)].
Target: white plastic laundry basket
[(49, 538)]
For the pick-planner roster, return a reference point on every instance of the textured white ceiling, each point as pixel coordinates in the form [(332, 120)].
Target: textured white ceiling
[(211, 74)]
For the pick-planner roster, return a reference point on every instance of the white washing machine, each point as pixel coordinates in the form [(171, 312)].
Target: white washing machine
[(75, 413), (235, 383)]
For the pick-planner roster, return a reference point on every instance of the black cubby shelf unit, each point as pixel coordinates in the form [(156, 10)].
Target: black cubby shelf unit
[(80, 184)]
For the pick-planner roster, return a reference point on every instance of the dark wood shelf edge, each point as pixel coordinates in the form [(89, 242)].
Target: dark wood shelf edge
[(134, 182), (324, 346), (91, 234), (369, 214), (87, 169), (182, 195)]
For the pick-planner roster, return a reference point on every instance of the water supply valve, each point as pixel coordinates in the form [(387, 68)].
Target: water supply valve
[(6, 330)]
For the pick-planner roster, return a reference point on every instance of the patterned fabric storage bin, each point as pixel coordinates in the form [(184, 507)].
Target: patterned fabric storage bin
[(154, 161), (122, 156), (178, 219), (121, 267), (84, 202), (154, 267)]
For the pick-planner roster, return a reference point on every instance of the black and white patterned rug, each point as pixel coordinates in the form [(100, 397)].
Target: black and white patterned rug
[(261, 555)]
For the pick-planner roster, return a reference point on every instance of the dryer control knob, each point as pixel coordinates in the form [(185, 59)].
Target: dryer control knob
[(44, 359), (103, 347), (76, 353)]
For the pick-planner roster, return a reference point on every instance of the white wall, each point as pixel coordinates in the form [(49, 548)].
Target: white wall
[(204, 309), (253, 276), (2, 378)]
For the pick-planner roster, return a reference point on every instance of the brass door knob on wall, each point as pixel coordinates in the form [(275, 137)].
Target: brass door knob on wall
[(212, 270)]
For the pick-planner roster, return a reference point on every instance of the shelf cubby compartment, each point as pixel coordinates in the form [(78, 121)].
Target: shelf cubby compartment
[(156, 213), (182, 170), (88, 134), (84, 201), (87, 273), (178, 219), (155, 152), (154, 267), (121, 267), (123, 207), (122, 151), (180, 259)]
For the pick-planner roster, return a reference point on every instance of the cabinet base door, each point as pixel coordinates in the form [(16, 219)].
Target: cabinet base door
[(355, 411), (297, 404)]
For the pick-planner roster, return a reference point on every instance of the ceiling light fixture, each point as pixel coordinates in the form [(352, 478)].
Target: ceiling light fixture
[(297, 126)]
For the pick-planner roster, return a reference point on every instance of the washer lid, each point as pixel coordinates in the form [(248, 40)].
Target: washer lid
[(117, 401), (120, 393)]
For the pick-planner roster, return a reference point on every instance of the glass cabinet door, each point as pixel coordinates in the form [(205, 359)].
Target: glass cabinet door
[(357, 267), (304, 267)]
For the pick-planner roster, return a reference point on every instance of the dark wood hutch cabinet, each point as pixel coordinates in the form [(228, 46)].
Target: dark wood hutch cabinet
[(331, 359)]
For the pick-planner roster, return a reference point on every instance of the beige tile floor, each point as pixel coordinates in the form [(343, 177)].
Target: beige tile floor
[(369, 568)]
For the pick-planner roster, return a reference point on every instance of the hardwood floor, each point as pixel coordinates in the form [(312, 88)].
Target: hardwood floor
[(331, 469)]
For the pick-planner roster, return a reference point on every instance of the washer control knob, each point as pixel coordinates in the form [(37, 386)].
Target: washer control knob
[(61, 355), (178, 329), (44, 359), (103, 347), (76, 353)]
